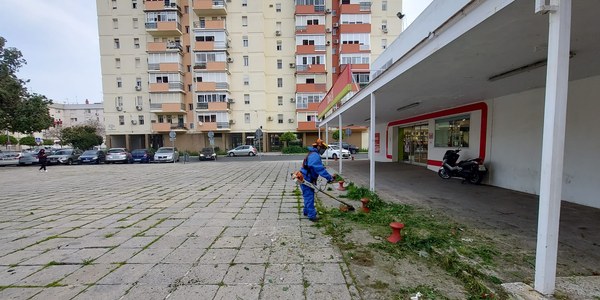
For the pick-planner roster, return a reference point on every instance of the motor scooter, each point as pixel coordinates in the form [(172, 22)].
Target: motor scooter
[(471, 170)]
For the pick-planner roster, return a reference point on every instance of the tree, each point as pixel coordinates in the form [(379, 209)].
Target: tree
[(27, 141), (82, 137), (13, 140), (336, 135), (19, 110), (287, 137)]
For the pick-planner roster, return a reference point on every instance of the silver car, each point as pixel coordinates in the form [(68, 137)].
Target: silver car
[(118, 155), (65, 157), (166, 154), (242, 150), (9, 158)]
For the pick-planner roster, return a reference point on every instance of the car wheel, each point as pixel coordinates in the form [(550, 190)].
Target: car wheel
[(230, 154), (69, 162), (334, 156), (251, 153)]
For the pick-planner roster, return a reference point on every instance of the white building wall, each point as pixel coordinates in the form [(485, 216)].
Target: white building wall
[(516, 142)]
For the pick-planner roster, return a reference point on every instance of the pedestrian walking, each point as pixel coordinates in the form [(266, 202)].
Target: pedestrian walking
[(312, 168), (43, 159)]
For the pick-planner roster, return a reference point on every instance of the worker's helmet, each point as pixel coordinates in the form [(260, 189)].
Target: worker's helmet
[(320, 143)]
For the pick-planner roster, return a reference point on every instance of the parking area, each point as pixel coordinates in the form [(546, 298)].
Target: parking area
[(207, 230)]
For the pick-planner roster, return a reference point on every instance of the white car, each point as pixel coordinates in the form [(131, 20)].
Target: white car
[(333, 151), (166, 154)]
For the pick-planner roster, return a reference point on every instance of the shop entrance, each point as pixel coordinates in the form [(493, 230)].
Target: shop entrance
[(413, 144)]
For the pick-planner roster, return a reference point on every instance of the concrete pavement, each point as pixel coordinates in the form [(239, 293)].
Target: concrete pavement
[(211, 230)]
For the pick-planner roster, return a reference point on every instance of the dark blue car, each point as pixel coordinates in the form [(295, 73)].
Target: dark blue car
[(92, 157), (142, 156)]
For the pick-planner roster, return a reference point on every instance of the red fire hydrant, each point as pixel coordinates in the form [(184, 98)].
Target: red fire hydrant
[(396, 236), (341, 187)]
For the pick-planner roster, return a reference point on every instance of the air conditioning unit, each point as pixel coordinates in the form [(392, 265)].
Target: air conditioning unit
[(134, 122), (328, 30), (336, 24), (119, 108), (200, 123), (231, 121), (384, 30), (292, 65), (278, 33), (336, 41), (292, 100), (270, 118), (290, 120), (328, 11), (229, 60), (230, 100), (138, 88), (138, 107)]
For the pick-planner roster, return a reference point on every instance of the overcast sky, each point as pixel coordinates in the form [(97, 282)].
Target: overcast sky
[(59, 41)]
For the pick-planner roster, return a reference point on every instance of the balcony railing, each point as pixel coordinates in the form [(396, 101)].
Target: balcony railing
[(202, 105), (222, 125)]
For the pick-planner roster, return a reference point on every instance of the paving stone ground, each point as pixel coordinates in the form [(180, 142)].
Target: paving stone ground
[(211, 230)]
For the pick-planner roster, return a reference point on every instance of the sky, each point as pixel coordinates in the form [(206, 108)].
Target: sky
[(59, 41)]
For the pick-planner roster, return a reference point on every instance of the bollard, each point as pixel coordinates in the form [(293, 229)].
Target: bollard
[(364, 205), (396, 236), (341, 187)]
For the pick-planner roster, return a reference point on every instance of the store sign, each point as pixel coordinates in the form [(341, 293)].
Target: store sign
[(377, 142)]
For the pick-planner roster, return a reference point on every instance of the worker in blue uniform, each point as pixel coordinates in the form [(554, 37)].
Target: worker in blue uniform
[(312, 168)]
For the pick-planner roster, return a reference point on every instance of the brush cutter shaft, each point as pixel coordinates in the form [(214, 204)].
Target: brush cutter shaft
[(299, 179)]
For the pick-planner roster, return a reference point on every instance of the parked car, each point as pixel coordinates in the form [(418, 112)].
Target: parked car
[(9, 158), (353, 149), (65, 157), (92, 157), (28, 158), (142, 156), (242, 150), (333, 151), (121, 155), (166, 154), (207, 154)]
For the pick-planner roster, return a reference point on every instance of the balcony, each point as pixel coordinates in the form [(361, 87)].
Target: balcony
[(209, 24), (210, 7), (165, 87), (212, 106), (309, 69), (167, 108), (164, 28), (212, 126), (211, 66), (363, 7), (307, 126), (354, 48), (161, 5), (166, 67), (211, 46), (211, 86), (310, 49), (355, 28), (164, 47), (303, 106), (310, 29), (310, 9), (167, 127), (311, 88)]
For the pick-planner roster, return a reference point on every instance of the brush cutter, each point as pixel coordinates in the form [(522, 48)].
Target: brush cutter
[(299, 179)]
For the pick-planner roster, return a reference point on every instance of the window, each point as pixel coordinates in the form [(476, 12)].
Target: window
[(117, 44), (141, 120), (246, 80), (246, 98), (246, 62), (136, 43), (119, 101), (138, 62), (114, 4), (191, 106), (138, 82), (244, 21), (186, 9), (189, 87), (161, 119), (73, 120), (135, 23), (117, 63), (119, 82), (278, 7), (121, 120), (280, 118), (187, 29), (279, 82), (187, 49), (280, 100), (115, 23), (134, 4), (247, 118), (384, 5), (279, 46), (138, 101), (383, 43), (452, 132), (245, 41), (279, 64), (244, 2)]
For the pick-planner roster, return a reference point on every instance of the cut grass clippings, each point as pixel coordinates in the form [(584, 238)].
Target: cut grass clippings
[(426, 236)]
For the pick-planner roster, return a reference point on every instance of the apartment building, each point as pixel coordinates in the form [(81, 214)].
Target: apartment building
[(227, 68)]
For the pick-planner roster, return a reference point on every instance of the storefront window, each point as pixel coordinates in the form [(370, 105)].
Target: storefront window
[(452, 132)]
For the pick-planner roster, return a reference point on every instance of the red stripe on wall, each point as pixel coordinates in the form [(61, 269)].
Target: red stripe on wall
[(457, 110)]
